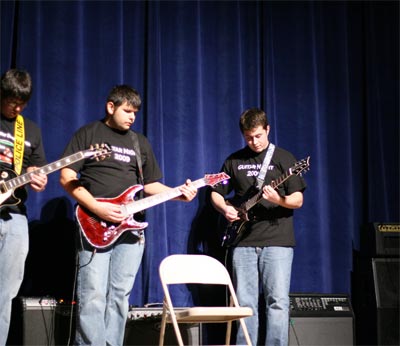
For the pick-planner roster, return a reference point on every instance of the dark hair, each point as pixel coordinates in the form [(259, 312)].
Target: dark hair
[(16, 84), (252, 118), (121, 93)]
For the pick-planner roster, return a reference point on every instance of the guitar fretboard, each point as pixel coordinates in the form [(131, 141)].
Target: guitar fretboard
[(142, 204), (257, 197), (27, 177)]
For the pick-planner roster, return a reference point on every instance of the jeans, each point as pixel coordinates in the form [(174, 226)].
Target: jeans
[(14, 244), (272, 266), (105, 280)]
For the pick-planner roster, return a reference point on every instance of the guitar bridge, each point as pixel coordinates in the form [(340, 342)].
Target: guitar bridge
[(3, 187)]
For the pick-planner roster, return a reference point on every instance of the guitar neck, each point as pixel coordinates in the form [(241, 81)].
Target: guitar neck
[(142, 204), (258, 197), (51, 167)]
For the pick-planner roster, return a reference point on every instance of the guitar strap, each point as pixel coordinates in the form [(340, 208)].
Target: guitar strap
[(142, 213), (264, 167), (19, 140), (136, 147)]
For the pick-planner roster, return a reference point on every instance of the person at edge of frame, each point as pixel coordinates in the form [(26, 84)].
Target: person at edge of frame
[(16, 159)]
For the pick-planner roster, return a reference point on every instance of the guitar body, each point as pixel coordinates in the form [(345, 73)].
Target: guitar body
[(7, 196), (234, 232), (100, 233)]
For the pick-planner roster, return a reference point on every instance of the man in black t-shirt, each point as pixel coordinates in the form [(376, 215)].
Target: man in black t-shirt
[(264, 252), (106, 274), (21, 151)]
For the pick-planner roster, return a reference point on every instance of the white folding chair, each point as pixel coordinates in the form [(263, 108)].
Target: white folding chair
[(199, 269)]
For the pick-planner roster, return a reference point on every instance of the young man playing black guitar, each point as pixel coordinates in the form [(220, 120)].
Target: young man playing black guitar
[(263, 238)]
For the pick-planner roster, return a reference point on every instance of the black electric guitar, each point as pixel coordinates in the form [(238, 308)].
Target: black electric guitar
[(10, 181), (101, 234), (236, 230)]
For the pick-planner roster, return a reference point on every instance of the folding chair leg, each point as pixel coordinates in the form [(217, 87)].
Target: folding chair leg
[(175, 324), (245, 331), (162, 329), (178, 333), (228, 333)]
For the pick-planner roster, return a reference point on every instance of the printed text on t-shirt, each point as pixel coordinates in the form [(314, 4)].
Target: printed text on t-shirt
[(122, 154)]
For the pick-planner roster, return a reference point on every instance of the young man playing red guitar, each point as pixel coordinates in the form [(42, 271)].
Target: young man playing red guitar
[(106, 274), (264, 251)]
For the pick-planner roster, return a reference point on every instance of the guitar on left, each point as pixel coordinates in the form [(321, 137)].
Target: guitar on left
[(10, 181)]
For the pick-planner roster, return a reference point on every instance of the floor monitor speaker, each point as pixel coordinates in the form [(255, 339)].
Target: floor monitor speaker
[(386, 283), (143, 328), (319, 319)]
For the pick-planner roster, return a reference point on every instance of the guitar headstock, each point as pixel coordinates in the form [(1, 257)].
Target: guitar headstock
[(213, 179), (99, 151), (301, 166)]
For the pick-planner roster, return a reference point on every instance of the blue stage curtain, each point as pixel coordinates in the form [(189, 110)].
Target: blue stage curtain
[(327, 73)]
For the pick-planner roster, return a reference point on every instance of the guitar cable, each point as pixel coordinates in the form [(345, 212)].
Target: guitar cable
[(90, 260), (293, 328), (73, 302), (82, 247), (227, 300), (72, 317), (48, 324)]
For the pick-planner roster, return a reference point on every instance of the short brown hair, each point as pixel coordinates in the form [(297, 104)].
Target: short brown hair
[(252, 118)]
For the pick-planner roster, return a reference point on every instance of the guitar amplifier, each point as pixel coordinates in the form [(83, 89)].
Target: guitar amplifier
[(319, 319), (381, 239), (143, 328), (321, 305), (40, 321)]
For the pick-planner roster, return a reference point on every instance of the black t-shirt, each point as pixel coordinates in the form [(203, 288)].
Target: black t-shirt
[(34, 155), (274, 224), (110, 177)]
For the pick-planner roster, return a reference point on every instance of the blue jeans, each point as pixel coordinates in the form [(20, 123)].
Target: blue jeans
[(14, 244), (272, 266), (105, 281)]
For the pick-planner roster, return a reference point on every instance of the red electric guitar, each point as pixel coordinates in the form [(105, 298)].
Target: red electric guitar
[(102, 234)]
